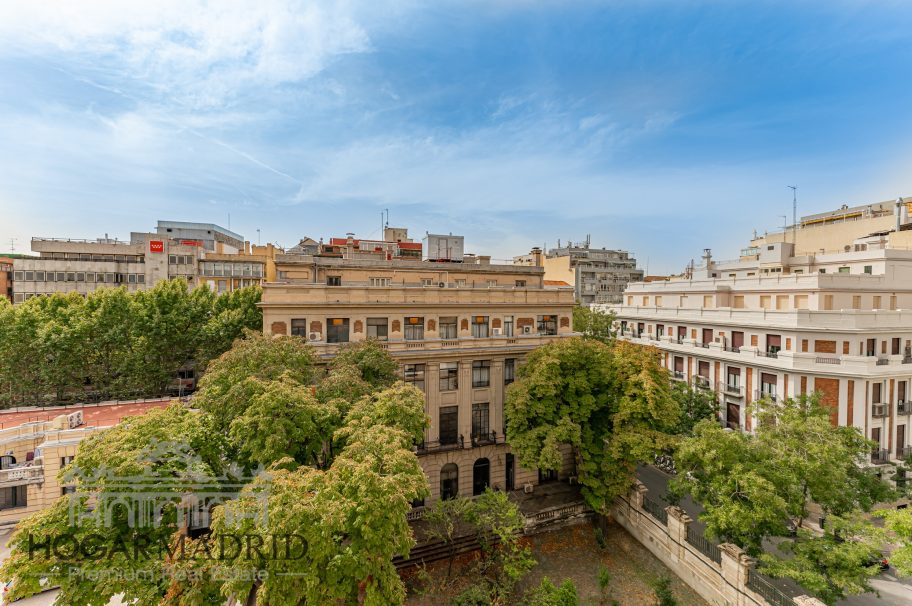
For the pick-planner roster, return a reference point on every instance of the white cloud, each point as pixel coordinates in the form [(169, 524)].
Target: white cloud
[(197, 53)]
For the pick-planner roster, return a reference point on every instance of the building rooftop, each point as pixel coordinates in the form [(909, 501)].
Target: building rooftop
[(210, 227), (104, 414)]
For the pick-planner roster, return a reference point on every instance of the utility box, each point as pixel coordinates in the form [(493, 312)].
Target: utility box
[(450, 248)]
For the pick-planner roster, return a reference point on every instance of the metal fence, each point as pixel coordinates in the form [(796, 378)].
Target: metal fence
[(655, 510), (704, 546), (763, 586)]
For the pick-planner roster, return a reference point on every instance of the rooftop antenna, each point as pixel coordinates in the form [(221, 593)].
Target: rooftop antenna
[(12, 245), (794, 189), (229, 220), (258, 236)]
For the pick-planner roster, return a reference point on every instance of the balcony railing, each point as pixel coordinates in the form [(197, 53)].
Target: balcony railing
[(883, 361), (431, 447), (732, 349), (487, 439), (903, 408), (655, 510), (878, 410), (27, 473), (825, 360), (904, 453), (731, 390), (678, 375), (701, 382), (768, 354), (703, 545), (880, 457), (703, 345)]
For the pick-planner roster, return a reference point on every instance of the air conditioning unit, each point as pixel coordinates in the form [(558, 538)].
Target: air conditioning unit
[(720, 340), (75, 419), (441, 284), (314, 336), (527, 330), (496, 331), (528, 488)]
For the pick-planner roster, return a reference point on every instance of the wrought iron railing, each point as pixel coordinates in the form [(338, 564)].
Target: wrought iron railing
[(879, 457), (655, 510), (428, 447), (903, 408), (764, 587), (703, 545)]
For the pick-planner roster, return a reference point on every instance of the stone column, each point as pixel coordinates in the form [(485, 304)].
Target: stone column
[(677, 531), (735, 570), (432, 397), (497, 397), (465, 401)]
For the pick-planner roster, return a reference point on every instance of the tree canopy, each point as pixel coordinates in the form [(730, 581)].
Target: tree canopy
[(759, 487), (337, 481), (610, 404), (113, 343), (595, 324)]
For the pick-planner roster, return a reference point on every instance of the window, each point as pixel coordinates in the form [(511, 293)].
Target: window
[(141, 278), (449, 376), (480, 327), (868, 269), (12, 497), (334, 280), (71, 276), (380, 281), (733, 379), (427, 281), (337, 330), (39, 276), (520, 284), (509, 371), (547, 325), (414, 329), (827, 302), (64, 461), (414, 374), (481, 373), (738, 302), (172, 259), (856, 301), (876, 301), (449, 424), (658, 301), (109, 278), (508, 326), (481, 420), (801, 301), (377, 328), (843, 270), (491, 283), (448, 328), (460, 283), (449, 481), (707, 301), (30, 276), (765, 301), (18, 276), (299, 327), (131, 278)]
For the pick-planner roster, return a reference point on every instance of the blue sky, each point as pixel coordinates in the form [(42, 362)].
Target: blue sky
[(662, 127)]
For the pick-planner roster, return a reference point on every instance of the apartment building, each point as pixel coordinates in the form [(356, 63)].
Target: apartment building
[(36, 445), (459, 331), (6, 278), (777, 323), (598, 275), (201, 253)]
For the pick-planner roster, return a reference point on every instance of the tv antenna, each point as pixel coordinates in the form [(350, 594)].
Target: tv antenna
[(794, 189), (12, 245)]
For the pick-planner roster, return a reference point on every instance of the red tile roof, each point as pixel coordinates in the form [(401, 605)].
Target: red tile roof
[(101, 415), (555, 283)]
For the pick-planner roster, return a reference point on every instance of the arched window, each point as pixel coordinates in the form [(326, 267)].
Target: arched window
[(481, 476), (449, 481)]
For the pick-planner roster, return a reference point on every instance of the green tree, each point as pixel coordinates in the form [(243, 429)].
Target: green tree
[(611, 405), (696, 404), (232, 314), (223, 391), (754, 487), (663, 593), (378, 369), (899, 523), (594, 324)]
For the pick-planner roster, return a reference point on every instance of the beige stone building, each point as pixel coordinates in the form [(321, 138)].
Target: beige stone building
[(459, 331), (781, 321)]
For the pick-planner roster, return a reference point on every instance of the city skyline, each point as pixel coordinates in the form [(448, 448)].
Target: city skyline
[(655, 127)]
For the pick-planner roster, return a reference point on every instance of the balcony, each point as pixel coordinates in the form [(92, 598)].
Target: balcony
[(432, 447), (880, 457), (678, 375), (487, 439), (883, 361), (701, 382), (827, 360), (904, 453), (732, 349), (703, 345), (903, 408), (27, 473), (731, 389), (531, 341), (878, 410), (770, 353)]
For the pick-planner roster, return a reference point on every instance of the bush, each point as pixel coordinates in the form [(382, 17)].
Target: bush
[(548, 594), (604, 578), (476, 595), (663, 594)]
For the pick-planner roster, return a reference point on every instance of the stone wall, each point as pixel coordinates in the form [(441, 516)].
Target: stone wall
[(722, 580)]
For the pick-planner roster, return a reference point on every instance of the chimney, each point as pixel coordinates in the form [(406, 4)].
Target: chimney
[(350, 238), (537, 257), (484, 259), (707, 258)]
